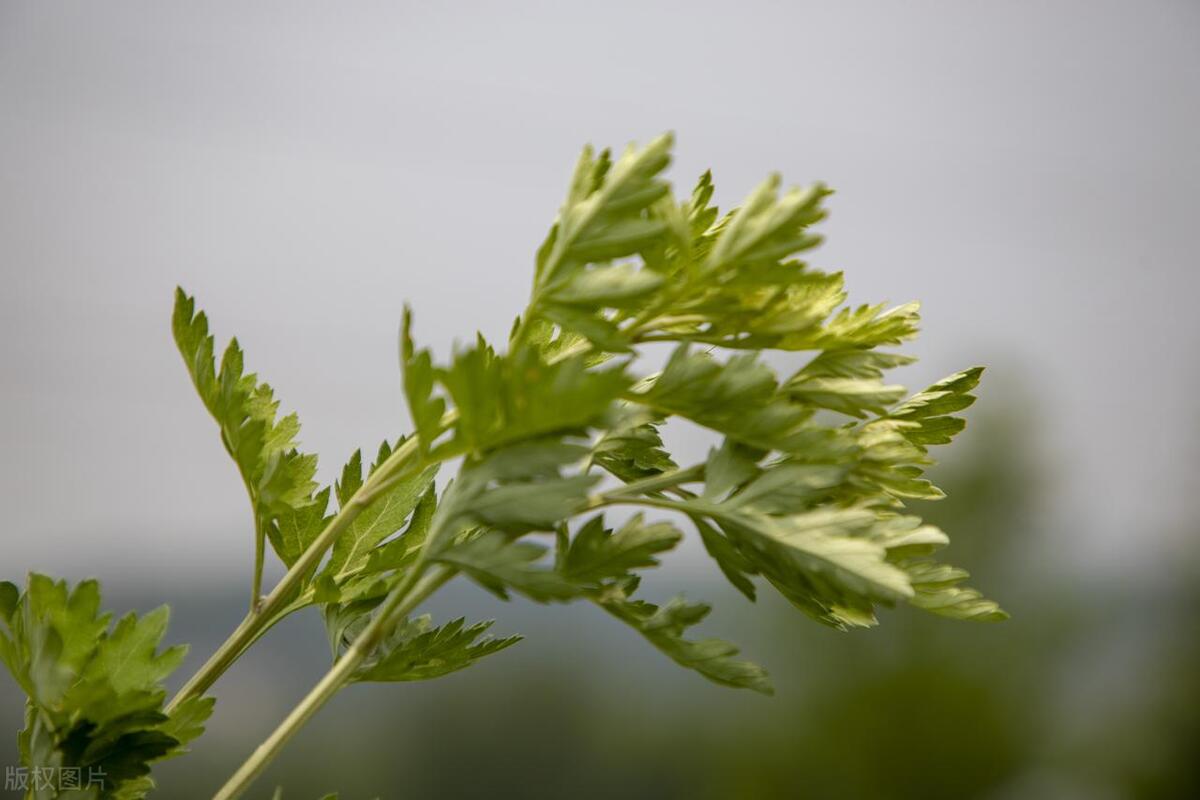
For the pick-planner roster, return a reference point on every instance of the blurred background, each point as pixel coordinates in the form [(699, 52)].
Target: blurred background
[(1028, 170)]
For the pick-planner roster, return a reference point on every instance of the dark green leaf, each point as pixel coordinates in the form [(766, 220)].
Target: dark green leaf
[(416, 651), (632, 448), (664, 628), (10, 595), (95, 694), (597, 554)]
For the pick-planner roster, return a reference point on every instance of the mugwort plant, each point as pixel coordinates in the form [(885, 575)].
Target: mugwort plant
[(803, 491)]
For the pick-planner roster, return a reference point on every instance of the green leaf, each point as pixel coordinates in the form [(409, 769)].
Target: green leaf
[(937, 591), (736, 567), (823, 560), (62, 628), (702, 215), (889, 464), (536, 506), (853, 364), (186, 722), (504, 399), (787, 487), (865, 326), (620, 237), (739, 398), (277, 476), (602, 218), (596, 328), (95, 694), (345, 621), (402, 550), (611, 286), (416, 651), (904, 535), (944, 397), (516, 489), (419, 377), (10, 596), (929, 412), (499, 565), (664, 628), (127, 656), (597, 554), (378, 521), (769, 227), (728, 468), (298, 528), (852, 396), (848, 381), (822, 552), (632, 448)]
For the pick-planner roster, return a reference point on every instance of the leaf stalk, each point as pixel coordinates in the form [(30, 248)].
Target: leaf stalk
[(415, 588), (270, 609)]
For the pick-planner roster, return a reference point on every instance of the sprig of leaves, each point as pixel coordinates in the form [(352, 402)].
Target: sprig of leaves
[(95, 690), (277, 476), (804, 490)]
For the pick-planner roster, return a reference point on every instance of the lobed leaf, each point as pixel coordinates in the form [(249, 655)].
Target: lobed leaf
[(597, 554), (277, 476), (664, 628), (416, 651), (95, 693), (500, 565)]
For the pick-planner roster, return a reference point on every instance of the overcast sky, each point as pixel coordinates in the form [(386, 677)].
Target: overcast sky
[(1029, 170)]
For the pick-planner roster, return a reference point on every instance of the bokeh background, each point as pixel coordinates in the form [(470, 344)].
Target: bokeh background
[(1029, 170)]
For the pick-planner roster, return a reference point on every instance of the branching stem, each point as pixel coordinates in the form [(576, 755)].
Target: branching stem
[(413, 589), (267, 613), (403, 599)]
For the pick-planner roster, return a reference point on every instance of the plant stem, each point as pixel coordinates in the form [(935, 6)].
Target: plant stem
[(654, 483), (260, 548), (403, 599), (264, 614), (259, 619), (414, 588), (260, 535)]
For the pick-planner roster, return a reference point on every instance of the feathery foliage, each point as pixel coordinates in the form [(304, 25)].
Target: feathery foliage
[(804, 490)]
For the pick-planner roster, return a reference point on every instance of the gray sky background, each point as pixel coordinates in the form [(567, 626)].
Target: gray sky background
[(1028, 170)]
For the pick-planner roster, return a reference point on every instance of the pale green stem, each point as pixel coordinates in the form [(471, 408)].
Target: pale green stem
[(256, 621), (414, 588), (264, 614), (403, 599), (260, 551)]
